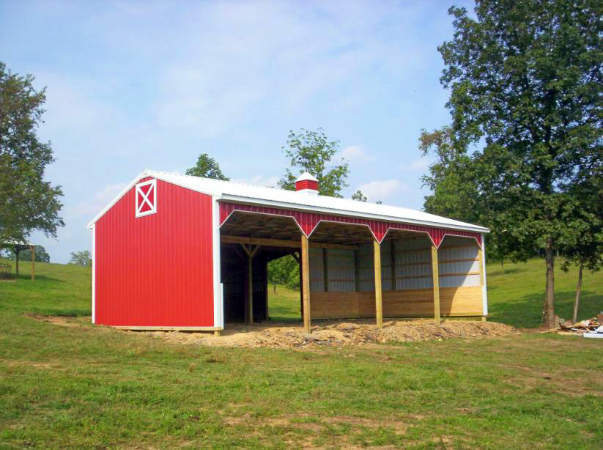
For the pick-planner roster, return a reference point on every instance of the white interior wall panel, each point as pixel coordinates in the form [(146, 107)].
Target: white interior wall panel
[(316, 270), (413, 263), (366, 272), (412, 266), (386, 266), (460, 281), (340, 264), (462, 254)]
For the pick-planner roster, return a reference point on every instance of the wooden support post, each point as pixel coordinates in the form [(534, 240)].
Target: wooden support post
[(249, 306), (356, 272), (378, 291), (481, 272), (305, 264), (325, 269), (250, 289), (436, 283), (392, 250), (17, 251), (33, 262)]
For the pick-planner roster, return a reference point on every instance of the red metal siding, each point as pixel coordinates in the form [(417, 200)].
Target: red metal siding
[(308, 222), (156, 270)]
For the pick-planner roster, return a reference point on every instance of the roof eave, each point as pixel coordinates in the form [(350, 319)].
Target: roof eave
[(340, 212)]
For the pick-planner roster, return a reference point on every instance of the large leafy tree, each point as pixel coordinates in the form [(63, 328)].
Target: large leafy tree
[(313, 152), (27, 201), (207, 167), (525, 81), (453, 182)]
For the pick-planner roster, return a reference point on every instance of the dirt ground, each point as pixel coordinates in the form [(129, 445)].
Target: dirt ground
[(324, 333), (338, 333)]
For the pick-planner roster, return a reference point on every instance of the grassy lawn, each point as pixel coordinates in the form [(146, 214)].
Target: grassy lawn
[(87, 386)]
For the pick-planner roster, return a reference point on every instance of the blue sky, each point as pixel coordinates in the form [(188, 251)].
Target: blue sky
[(135, 85)]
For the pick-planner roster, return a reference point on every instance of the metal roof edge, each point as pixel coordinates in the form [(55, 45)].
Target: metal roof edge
[(341, 212)]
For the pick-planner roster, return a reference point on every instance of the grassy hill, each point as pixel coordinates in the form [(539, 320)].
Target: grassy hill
[(87, 386)]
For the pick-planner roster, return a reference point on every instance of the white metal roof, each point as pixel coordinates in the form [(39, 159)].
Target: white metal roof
[(266, 196)]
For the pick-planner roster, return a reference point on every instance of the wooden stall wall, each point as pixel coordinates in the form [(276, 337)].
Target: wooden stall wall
[(406, 264)]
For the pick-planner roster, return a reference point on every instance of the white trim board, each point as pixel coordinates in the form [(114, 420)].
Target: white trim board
[(93, 306)]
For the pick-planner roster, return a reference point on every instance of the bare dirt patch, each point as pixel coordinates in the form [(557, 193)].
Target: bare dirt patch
[(64, 321), (306, 422), (337, 334)]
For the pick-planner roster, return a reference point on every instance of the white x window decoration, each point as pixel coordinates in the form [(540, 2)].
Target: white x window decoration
[(146, 198)]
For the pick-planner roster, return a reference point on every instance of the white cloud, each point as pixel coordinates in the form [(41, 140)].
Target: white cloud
[(355, 153), (382, 189), (418, 165), (259, 180), (93, 205)]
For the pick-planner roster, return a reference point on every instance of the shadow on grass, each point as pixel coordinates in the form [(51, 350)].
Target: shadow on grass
[(49, 312), (27, 277), (498, 272), (526, 312)]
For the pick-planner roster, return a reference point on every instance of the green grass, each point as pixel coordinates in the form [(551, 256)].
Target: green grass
[(90, 386)]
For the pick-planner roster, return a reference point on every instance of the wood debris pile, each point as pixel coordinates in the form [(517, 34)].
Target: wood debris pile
[(582, 327)]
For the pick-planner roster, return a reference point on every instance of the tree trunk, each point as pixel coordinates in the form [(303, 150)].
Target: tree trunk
[(548, 311), (578, 293)]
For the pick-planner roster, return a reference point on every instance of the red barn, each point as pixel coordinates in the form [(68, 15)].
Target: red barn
[(183, 252)]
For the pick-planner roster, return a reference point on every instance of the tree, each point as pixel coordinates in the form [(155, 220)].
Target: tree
[(284, 271), (27, 202), (358, 195), (81, 258), (206, 167), (455, 193), (311, 151), (585, 250), (25, 255), (525, 81)]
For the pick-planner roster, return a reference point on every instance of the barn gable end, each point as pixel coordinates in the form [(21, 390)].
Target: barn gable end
[(154, 262)]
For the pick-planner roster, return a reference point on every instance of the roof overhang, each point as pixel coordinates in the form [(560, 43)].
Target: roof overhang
[(218, 189), (339, 212)]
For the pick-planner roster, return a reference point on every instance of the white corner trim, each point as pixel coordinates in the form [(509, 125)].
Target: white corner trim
[(484, 287), (149, 199), (93, 273), (217, 265)]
